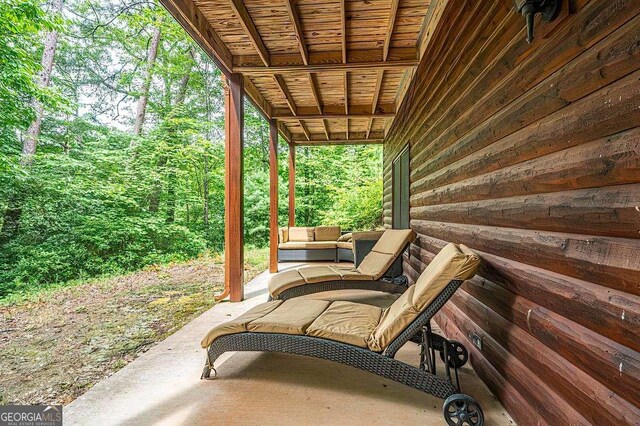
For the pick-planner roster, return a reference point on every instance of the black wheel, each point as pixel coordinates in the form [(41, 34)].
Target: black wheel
[(458, 355), (460, 410)]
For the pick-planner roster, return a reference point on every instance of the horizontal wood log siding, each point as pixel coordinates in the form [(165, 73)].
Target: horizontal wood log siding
[(530, 154)]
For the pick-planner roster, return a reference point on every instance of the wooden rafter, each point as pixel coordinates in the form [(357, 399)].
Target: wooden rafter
[(374, 102), (333, 112), (194, 22), (285, 92), (340, 142), (338, 136), (343, 19), (390, 25), (297, 27), (250, 28), (327, 67), (314, 90), (305, 129), (325, 126)]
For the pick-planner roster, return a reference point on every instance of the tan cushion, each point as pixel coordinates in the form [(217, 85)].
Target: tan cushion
[(291, 317), (327, 233), (380, 299), (314, 274), (239, 325), (351, 273), (450, 264), (345, 245), (309, 245), (367, 235), (346, 237), (300, 233), (283, 235), (346, 322), (284, 281), (393, 241), (394, 320), (376, 264)]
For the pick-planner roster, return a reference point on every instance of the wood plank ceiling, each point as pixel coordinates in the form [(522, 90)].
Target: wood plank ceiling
[(330, 71)]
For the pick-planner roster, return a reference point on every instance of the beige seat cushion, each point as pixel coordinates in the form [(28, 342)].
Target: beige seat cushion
[(349, 273), (380, 299), (346, 322), (307, 245), (451, 263), (385, 252), (283, 235), (284, 281), (394, 320), (393, 241), (297, 233), (290, 317), (346, 237), (239, 325), (327, 233), (345, 245), (376, 264), (315, 274), (367, 235)]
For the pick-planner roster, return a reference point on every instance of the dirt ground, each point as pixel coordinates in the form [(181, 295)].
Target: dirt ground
[(56, 347)]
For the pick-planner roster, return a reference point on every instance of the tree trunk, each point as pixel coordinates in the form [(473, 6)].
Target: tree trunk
[(152, 54), (51, 41), (205, 192), (154, 199)]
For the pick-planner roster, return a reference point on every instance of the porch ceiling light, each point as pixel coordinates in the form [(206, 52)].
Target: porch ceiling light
[(549, 9)]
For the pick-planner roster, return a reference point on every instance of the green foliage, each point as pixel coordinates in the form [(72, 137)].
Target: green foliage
[(99, 200)]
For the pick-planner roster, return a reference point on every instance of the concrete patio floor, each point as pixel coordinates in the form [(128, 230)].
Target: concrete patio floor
[(163, 386)]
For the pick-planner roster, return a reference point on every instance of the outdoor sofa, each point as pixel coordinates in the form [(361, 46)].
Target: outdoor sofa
[(373, 273), (323, 243), (364, 336)]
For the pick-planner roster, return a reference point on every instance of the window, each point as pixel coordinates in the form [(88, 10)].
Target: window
[(400, 184)]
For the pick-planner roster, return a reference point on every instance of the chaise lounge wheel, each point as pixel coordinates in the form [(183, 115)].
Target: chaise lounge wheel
[(458, 354), (462, 410)]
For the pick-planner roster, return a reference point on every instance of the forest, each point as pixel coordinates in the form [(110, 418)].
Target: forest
[(112, 148)]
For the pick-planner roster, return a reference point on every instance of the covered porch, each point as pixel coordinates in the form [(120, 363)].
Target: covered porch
[(521, 144), (162, 386)]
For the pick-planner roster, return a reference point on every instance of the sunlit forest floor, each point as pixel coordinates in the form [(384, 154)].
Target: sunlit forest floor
[(57, 344)]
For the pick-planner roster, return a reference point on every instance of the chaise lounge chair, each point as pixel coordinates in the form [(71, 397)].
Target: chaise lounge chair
[(368, 275), (364, 336)]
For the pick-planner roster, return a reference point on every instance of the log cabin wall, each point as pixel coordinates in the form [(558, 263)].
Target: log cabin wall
[(530, 155)]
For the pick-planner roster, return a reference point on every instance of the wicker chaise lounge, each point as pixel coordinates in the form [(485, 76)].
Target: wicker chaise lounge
[(364, 336), (368, 275)]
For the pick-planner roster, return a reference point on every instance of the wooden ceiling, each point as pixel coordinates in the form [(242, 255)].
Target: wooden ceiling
[(330, 71)]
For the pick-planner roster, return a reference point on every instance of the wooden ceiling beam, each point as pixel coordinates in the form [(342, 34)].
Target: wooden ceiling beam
[(339, 142), (340, 136), (287, 95), (314, 90), (390, 25), (332, 57), (305, 129), (194, 22), (332, 112), (327, 67), (343, 20), (326, 129), (297, 27), (374, 102), (252, 32)]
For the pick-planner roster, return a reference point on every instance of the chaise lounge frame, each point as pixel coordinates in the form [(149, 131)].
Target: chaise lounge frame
[(385, 284), (382, 364)]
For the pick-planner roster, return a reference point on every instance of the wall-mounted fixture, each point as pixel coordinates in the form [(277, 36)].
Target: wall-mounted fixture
[(549, 9)]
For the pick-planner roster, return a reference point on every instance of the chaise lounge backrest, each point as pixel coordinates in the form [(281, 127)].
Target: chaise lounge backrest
[(452, 263), (385, 252)]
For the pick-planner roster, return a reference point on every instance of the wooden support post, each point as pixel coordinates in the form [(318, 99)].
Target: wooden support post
[(234, 189), (292, 185), (273, 196)]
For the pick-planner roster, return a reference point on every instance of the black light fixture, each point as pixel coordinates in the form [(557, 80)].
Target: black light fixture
[(549, 9)]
